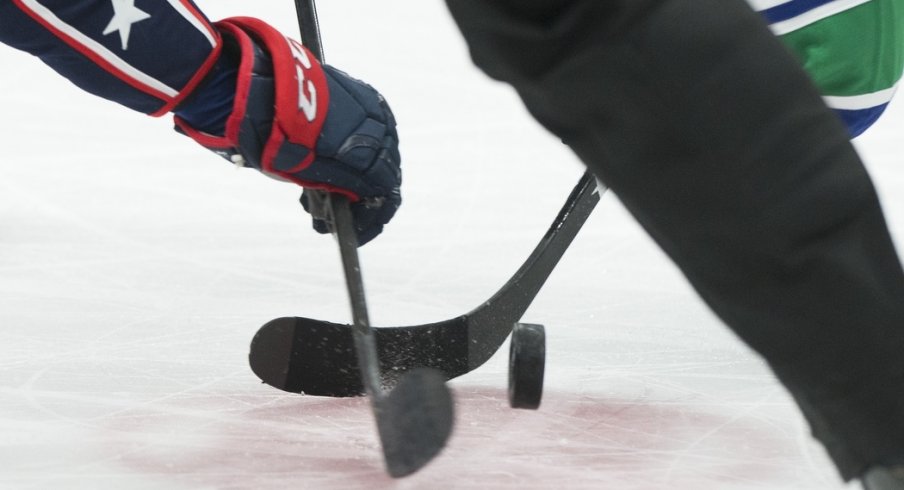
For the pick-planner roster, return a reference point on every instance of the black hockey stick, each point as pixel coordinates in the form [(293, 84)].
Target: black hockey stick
[(302, 355), (414, 419)]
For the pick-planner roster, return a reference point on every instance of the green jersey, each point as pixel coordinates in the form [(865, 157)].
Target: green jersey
[(853, 50)]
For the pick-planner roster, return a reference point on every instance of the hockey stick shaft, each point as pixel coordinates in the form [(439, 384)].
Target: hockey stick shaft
[(337, 214), (415, 419), (309, 27), (365, 345)]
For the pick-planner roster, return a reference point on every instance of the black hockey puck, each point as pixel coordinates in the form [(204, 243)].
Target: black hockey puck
[(527, 360)]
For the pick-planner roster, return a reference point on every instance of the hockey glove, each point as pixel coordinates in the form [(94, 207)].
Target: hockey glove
[(297, 120)]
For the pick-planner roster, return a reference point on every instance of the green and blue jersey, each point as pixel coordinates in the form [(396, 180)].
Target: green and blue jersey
[(852, 49)]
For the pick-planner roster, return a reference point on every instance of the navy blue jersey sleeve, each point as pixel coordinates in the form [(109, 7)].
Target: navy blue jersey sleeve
[(147, 55)]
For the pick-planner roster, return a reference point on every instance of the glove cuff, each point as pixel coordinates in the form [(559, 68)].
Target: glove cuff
[(280, 104)]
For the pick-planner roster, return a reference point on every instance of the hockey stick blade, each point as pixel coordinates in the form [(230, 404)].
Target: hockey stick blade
[(315, 357), (416, 421)]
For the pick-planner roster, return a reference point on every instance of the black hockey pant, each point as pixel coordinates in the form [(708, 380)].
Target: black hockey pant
[(714, 138)]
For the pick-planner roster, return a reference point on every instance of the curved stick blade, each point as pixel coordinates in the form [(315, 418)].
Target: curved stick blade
[(416, 421), (315, 357)]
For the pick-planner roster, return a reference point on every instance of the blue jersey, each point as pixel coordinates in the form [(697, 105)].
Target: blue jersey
[(148, 58)]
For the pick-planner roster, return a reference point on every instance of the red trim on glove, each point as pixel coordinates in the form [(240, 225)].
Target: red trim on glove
[(243, 83), (302, 94), (301, 100)]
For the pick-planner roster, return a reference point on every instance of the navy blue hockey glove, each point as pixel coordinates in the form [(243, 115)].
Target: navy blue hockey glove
[(296, 120)]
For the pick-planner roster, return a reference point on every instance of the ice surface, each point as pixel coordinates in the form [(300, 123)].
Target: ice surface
[(135, 267)]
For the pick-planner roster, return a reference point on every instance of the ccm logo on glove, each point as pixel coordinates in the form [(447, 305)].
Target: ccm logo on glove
[(307, 92), (307, 123)]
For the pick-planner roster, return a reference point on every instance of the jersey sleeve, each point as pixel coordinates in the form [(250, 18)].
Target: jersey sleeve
[(852, 49), (147, 56)]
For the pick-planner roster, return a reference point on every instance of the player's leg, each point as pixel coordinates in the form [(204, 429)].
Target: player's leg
[(715, 139)]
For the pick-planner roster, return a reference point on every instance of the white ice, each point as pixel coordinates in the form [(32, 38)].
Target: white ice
[(135, 268)]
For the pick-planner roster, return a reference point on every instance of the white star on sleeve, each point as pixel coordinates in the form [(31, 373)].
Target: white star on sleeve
[(125, 13)]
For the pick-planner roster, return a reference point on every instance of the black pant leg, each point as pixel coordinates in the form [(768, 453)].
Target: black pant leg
[(714, 138)]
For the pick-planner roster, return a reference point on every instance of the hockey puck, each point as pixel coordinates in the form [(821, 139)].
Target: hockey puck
[(527, 360)]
